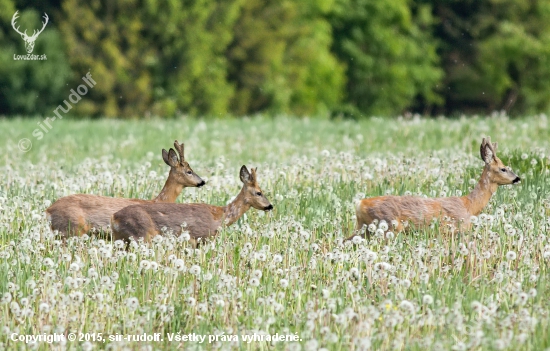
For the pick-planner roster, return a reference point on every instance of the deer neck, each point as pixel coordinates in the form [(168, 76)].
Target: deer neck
[(480, 196), (235, 209), (170, 191)]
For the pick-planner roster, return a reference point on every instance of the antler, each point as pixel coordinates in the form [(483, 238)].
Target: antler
[(15, 17), (34, 35), (179, 149)]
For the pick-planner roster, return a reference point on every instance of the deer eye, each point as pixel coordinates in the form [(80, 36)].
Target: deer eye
[(189, 172), (503, 169), (259, 193)]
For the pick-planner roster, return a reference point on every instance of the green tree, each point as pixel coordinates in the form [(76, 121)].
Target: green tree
[(152, 57), (391, 58), (280, 59), (31, 87), (496, 55)]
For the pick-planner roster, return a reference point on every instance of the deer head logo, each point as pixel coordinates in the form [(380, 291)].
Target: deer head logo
[(29, 40)]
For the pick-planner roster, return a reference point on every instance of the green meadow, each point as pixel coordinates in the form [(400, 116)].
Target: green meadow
[(286, 272)]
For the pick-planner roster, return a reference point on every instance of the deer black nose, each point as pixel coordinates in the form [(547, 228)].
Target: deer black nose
[(517, 180), (201, 183), (267, 208)]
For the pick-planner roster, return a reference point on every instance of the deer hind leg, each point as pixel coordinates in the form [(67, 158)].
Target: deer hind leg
[(360, 225), (76, 225)]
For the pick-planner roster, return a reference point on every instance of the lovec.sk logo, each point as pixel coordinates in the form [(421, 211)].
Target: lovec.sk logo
[(29, 40)]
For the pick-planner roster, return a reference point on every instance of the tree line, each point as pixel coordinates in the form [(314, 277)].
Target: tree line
[(351, 58)]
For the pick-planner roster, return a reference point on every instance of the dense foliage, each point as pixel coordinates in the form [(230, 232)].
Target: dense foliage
[(205, 57)]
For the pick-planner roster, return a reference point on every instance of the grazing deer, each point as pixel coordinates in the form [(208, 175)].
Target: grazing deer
[(418, 212), (202, 220), (80, 213)]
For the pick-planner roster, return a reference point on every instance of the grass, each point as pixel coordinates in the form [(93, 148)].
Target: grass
[(422, 291)]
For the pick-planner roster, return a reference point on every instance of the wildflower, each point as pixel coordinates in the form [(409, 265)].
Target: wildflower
[(44, 307), (144, 265), (48, 262), (407, 306), (202, 307), (74, 267), (179, 265), (357, 240), (254, 282), (132, 303), (257, 273), (260, 256), (77, 296), (427, 300), (311, 345), (6, 298), (185, 236), (511, 255), (195, 270), (283, 283)]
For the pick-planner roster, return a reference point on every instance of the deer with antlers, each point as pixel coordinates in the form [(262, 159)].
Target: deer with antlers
[(411, 212), (81, 213), (201, 220), (29, 40)]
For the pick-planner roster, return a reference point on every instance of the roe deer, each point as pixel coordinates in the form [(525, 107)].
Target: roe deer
[(453, 211), (80, 213), (147, 220)]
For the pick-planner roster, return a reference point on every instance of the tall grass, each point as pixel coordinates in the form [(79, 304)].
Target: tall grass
[(288, 271)]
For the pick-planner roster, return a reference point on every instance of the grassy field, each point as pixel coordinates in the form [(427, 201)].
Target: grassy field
[(286, 271)]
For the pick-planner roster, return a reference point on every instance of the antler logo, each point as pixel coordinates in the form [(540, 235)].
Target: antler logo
[(29, 41)]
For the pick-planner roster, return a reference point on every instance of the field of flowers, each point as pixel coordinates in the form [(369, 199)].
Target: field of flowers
[(285, 272)]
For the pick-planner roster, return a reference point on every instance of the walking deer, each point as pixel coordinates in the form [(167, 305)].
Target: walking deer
[(202, 220), (417, 212), (81, 213)]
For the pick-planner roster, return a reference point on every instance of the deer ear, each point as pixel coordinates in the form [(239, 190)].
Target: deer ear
[(486, 150), (165, 157), (245, 175), (172, 158)]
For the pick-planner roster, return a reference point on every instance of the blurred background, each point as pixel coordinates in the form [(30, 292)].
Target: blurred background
[(350, 58)]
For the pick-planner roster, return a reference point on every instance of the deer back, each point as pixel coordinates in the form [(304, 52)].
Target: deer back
[(416, 211), (148, 220), (80, 213)]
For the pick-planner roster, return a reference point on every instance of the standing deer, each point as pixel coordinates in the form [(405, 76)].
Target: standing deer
[(418, 212), (80, 213), (202, 220)]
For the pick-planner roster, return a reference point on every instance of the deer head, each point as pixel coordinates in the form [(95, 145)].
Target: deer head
[(29, 40), (180, 169), (253, 194), (497, 171)]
